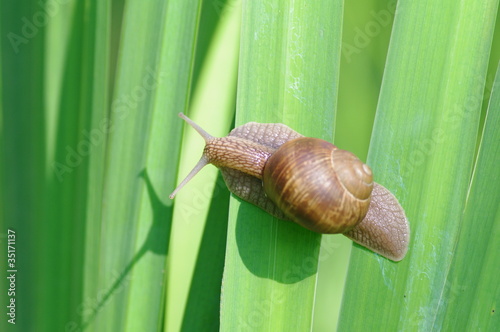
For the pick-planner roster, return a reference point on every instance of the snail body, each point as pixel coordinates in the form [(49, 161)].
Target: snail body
[(309, 181)]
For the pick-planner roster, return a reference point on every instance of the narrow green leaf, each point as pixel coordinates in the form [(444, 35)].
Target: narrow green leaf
[(422, 149), (474, 270), (286, 49), (200, 214), (96, 99)]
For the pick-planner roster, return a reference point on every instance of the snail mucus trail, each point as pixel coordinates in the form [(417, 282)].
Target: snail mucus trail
[(309, 181)]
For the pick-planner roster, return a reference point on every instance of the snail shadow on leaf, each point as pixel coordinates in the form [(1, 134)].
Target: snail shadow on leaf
[(275, 249), (157, 242), (202, 306)]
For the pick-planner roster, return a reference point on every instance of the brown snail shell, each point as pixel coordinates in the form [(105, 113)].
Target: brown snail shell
[(317, 185)]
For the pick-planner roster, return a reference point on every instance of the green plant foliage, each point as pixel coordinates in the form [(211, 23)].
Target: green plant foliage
[(136, 217), (91, 147), (86, 157), (201, 208), (270, 270), (476, 254), (422, 148)]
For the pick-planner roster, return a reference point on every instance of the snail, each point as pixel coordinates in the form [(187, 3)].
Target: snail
[(309, 181)]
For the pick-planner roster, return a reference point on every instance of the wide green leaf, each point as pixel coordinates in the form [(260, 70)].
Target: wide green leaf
[(270, 270)]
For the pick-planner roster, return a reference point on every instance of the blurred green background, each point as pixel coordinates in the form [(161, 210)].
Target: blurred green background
[(91, 148)]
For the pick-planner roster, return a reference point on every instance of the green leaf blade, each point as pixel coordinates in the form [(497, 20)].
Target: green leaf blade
[(201, 207), (270, 271), (476, 258)]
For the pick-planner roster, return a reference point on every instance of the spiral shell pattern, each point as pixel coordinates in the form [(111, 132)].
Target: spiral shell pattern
[(317, 185)]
